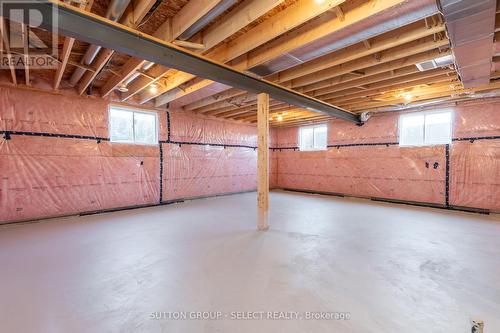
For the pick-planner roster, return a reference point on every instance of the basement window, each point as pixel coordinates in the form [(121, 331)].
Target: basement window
[(425, 128), (312, 138), (133, 126)]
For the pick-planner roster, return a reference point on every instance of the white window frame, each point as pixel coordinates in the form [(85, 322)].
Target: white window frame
[(425, 113), (313, 126), (133, 111)]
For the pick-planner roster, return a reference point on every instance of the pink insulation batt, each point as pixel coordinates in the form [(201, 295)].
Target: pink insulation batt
[(43, 176), (399, 173), (52, 176)]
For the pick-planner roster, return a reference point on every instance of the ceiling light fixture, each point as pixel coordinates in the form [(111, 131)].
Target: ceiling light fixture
[(408, 97), (153, 88), (122, 88), (280, 118)]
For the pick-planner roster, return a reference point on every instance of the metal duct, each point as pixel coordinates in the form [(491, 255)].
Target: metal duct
[(471, 27), (375, 25), (115, 11), (207, 18)]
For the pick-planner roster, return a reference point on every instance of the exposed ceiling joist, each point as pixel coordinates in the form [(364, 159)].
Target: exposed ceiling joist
[(323, 26), (93, 29), (6, 48), (293, 16), (235, 20), (66, 51)]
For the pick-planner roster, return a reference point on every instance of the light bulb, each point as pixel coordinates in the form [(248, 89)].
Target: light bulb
[(153, 88)]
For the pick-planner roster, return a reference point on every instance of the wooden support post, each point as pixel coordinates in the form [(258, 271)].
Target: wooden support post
[(263, 161)]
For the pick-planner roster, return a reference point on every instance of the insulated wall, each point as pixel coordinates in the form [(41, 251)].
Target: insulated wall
[(205, 157), (367, 161), (56, 158)]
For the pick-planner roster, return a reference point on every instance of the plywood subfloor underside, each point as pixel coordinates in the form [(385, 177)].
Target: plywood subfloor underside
[(394, 268)]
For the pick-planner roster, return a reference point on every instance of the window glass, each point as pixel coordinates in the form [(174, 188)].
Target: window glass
[(313, 137), (438, 128), (412, 130), (121, 125), (306, 138), (320, 137), (425, 128), (145, 127), (131, 126)]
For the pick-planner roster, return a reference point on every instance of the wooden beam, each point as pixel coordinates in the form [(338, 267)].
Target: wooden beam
[(375, 73), (168, 31), (396, 68), (66, 51), (177, 92), (133, 64), (292, 16), (190, 14), (305, 120), (426, 94), (400, 68), (88, 27), (392, 84), (312, 31), (234, 112), (143, 82), (101, 60), (398, 37), (393, 97), (131, 18), (137, 12), (395, 53), (25, 37), (342, 97), (263, 161), (6, 49), (189, 45), (440, 81), (129, 68), (244, 14), (67, 47), (367, 44), (214, 99), (339, 13)]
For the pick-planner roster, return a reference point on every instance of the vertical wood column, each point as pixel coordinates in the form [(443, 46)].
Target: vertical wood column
[(263, 161)]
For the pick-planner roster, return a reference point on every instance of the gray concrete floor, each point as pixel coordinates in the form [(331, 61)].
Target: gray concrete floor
[(393, 268)]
